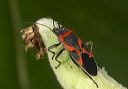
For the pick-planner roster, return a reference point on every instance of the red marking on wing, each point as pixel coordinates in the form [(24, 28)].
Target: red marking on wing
[(80, 59), (69, 48), (83, 49), (61, 37)]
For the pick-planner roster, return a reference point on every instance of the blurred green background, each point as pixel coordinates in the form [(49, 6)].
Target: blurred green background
[(105, 22)]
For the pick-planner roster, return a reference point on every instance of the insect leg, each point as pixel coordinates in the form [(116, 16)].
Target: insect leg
[(91, 78), (57, 58), (89, 45), (51, 47), (59, 25)]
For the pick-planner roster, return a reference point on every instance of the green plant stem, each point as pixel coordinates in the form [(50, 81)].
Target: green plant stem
[(68, 74), (20, 55)]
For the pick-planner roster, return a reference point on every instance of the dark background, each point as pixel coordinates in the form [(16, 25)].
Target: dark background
[(105, 22)]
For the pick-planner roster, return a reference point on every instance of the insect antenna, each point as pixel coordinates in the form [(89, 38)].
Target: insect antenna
[(45, 26), (40, 24), (53, 19), (53, 16)]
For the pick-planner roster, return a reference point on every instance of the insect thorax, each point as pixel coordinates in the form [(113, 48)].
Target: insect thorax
[(60, 31)]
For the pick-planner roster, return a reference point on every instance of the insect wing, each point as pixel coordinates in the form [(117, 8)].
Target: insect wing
[(72, 41), (89, 64)]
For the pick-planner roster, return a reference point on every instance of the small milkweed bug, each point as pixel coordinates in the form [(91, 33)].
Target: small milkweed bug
[(80, 53)]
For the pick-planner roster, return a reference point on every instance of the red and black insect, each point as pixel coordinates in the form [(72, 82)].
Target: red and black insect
[(80, 53)]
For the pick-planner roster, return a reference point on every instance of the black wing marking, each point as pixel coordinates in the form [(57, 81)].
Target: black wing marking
[(89, 64), (72, 40), (74, 55), (94, 68)]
